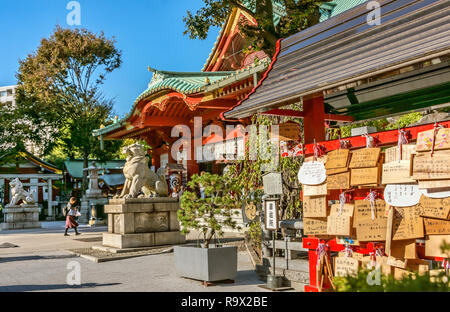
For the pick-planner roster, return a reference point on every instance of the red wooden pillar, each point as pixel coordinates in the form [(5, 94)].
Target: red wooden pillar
[(314, 120), (192, 164), (156, 158)]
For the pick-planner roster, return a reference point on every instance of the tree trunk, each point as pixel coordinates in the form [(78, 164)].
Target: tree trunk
[(209, 238), (85, 173)]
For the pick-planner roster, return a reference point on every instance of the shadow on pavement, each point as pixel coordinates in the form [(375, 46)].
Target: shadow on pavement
[(24, 288), (31, 258)]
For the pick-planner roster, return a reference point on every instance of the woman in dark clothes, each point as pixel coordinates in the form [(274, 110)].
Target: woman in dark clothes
[(70, 213)]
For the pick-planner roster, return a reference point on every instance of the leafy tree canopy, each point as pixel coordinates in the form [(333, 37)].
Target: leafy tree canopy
[(59, 90), (299, 14)]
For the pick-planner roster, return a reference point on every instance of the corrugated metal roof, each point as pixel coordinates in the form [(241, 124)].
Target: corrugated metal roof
[(346, 48)]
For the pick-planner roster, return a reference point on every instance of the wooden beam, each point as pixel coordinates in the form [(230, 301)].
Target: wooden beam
[(384, 138), (162, 121), (299, 114), (331, 117)]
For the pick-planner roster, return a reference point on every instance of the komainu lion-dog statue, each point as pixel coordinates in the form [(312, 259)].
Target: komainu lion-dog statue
[(19, 194), (139, 177)]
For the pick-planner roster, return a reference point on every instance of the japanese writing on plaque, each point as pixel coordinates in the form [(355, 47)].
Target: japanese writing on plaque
[(312, 173), (364, 211), (431, 168), (315, 206), (339, 225), (368, 230), (435, 207), (407, 223), (402, 195), (364, 158), (346, 266), (436, 227), (339, 181), (315, 227), (365, 176), (271, 215), (337, 159)]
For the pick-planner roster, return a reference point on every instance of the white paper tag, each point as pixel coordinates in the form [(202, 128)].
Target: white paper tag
[(402, 195), (312, 173)]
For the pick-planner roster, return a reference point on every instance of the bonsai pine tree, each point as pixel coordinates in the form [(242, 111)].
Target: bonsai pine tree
[(209, 204)]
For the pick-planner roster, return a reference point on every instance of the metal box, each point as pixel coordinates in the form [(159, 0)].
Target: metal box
[(206, 264)]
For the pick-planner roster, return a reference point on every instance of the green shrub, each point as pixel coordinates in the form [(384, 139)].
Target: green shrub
[(211, 212)]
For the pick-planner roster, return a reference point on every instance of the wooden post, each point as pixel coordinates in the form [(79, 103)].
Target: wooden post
[(314, 120)]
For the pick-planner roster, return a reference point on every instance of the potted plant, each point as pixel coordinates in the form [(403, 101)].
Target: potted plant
[(208, 206)]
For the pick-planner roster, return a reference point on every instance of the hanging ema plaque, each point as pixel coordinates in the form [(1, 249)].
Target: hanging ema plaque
[(402, 195), (271, 215), (312, 173)]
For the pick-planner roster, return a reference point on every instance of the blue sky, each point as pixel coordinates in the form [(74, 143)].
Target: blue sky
[(149, 33)]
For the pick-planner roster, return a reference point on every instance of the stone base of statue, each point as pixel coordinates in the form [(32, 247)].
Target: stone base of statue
[(143, 222), (21, 217), (87, 215)]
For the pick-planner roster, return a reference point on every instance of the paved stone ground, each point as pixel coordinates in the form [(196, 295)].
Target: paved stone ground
[(40, 264)]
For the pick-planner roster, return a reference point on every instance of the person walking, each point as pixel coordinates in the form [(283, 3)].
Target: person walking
[(70, 212)]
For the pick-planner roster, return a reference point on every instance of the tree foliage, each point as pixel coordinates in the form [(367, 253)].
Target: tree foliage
[(298, 16), (59, 88), (211, 211)]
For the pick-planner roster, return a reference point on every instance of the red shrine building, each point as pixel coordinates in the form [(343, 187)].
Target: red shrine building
[(176, 98)]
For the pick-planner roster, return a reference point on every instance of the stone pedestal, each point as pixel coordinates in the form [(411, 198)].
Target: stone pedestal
[(134, 223), (21, 217)]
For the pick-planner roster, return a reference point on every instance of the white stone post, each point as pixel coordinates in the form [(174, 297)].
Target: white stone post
[(50, 198)]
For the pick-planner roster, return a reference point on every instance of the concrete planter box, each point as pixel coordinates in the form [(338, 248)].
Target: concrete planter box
[(206, 264)]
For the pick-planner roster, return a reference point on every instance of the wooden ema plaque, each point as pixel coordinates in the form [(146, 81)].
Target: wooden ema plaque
[(337, 159), (368, 230), (436, 226), (365, 158), (364, 211), (438, 208), (427, 167), (339, 225), (365, 176), (392, 153), (434, 184), (315, 190), (397, 172), (315, 226), (346, 266), (404, 249), (407, 223), (340, 181), (315, 207), (425, 140), (289, 131), (347, 210)]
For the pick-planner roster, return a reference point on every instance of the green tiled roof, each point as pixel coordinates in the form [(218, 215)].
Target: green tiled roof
[(339, 6), (75, 167), (186, 83), (183, 82)]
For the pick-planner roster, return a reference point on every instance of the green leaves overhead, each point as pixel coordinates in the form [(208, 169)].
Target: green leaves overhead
[(59, 88), (299, 14)]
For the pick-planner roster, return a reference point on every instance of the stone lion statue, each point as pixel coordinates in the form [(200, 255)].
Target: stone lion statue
[(18, 194), (139, 177)]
